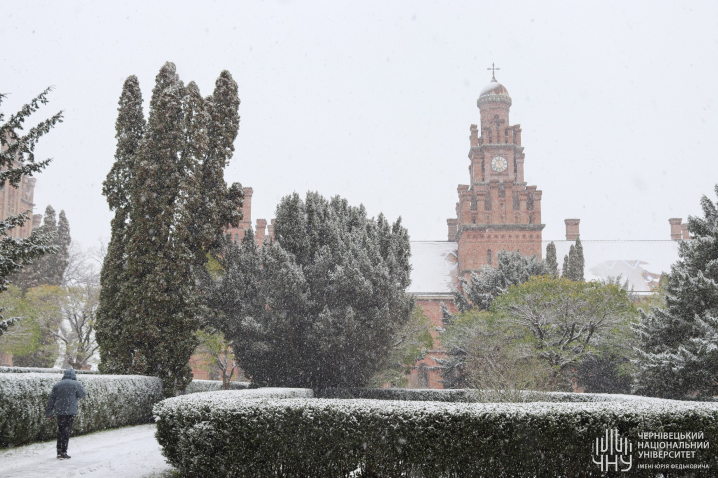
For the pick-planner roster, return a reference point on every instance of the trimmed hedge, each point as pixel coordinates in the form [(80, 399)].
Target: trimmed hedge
[(197, 386), (111, 401), (465, 395), (240, 434), (42, 370)]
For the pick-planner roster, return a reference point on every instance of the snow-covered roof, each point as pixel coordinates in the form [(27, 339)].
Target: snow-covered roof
[(434, 267), (641, 262), (435, 263), (494, 88)]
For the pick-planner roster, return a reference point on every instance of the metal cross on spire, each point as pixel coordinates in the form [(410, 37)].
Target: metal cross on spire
[(493, 72)]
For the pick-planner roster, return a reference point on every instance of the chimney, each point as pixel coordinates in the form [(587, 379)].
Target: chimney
[(247, 208), (261, 226), (270, 231), (676, 229), (684, 231), (572, 229), (453, 227)]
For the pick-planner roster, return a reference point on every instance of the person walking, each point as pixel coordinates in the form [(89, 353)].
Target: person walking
[(63, 400)]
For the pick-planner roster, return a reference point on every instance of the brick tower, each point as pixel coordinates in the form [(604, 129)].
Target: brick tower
[(497, 210)]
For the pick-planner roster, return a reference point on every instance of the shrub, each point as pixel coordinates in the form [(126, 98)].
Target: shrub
[(42, 370), (197, 386), (245, 434), (177, 417), (111, 401), (467, 395)]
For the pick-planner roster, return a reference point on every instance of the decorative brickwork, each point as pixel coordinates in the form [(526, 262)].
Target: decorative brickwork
[(497, 210), (260, 228)]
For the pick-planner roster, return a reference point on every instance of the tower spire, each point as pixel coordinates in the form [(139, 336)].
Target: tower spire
[(493, 71)]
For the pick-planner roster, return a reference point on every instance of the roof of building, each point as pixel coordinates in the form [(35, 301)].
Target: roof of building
[(494, 88), (435, 265), (641, 262)]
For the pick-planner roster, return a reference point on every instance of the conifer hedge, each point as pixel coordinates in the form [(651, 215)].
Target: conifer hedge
[(111, 401), (240, 433)]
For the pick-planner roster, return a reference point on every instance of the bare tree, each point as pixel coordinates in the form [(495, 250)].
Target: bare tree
[(79, 308)]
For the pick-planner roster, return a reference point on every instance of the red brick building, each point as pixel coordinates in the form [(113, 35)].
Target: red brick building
[(496, 210)]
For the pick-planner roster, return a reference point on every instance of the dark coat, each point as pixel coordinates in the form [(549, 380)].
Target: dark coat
[(65, 395)]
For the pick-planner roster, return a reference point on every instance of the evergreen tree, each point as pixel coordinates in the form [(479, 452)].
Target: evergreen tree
[(564, 267), (116, 344), (483, 287), (580, 262), (572, 264), (17, 159), (551, 260), (39, 272), (165, 241), (678, 345), (333, 288)]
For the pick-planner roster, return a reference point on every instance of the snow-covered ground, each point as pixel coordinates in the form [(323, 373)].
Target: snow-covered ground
[(130, 452)]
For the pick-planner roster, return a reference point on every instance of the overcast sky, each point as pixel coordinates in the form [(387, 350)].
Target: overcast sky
[(373, 100)]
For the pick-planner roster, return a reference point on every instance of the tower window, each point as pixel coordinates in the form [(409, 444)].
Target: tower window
[(487, 202), (488, 256), (530, 202)]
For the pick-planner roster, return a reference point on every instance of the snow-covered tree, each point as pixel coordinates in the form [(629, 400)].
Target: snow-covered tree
[(116, 344), (50, 268), (17, 159), (478, 292), (157, 188), (567, 321), (678, 345), (573, 263), (551, 260), (333, 288), (484, 286), (580, 262)]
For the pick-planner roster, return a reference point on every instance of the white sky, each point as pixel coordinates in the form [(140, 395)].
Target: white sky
[(372, 100)]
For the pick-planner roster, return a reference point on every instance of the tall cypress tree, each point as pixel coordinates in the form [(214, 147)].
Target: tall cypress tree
[(580, 262), (60, 260), (116, 344), (177, 204), (564, 267), (572, 263), (551, 259), (678, 345)]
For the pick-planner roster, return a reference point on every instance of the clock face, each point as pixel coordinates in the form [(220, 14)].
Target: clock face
[(499, 164)]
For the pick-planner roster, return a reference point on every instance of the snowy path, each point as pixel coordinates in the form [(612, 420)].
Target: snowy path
[(130, 452)]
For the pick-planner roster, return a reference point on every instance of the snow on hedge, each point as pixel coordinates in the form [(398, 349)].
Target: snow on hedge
[(111, 401), (467, 395), (261, 433), (42, 370), (197, 386)]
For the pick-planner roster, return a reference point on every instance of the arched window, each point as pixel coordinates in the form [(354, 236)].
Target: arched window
[(236, 238), (488, 256)]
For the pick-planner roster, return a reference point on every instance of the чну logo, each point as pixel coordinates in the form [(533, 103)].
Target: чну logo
[(612, 450)]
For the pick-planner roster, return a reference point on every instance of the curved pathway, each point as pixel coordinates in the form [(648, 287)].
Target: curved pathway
[(130, 452)]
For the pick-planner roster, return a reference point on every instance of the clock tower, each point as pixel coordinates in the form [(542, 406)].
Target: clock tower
[(497, 210)]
